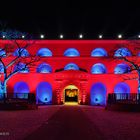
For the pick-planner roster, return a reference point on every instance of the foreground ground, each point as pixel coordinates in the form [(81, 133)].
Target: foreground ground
[(69, 122)]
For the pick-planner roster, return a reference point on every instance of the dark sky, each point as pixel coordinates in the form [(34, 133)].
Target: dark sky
[(70, 18)]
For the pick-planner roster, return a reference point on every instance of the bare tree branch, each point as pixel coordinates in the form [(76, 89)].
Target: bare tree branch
[(9, 70)]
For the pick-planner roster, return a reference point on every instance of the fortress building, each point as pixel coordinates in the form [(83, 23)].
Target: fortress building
[(82, 71)]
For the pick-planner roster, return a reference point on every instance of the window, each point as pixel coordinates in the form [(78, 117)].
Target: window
[(122, 52), (44, 68), (71, 52), (1, 68), (99, 52), (71, 66), (21, 67), (98, 68), (44, 52), (122, 68), (2, 53), (21, 90), (21, 52)]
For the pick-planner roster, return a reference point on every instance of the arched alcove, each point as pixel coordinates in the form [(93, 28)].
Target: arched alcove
[(99, 52), (44, 52), (2, 53), (44, 93), (21, 52), (122, 52), (121, 88), (21, 67), (98, 68), (1, 68), (1, 91), (21, 90), (71, 66), (44, 68), (71, 52), (98, 94), (121, 69)]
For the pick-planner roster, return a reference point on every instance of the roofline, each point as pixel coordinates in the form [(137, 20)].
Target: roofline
[(73, 41)]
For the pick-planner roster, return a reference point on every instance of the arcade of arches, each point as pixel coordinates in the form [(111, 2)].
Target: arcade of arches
[(72, 71)]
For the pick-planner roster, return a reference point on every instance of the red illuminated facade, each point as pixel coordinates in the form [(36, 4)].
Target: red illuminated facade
[(93, 71)]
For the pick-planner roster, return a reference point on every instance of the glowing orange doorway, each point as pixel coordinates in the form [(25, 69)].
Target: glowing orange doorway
[(71, 95)]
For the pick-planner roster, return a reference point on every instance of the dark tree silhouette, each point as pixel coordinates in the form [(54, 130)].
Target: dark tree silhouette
[(7, 68), (122, 53)]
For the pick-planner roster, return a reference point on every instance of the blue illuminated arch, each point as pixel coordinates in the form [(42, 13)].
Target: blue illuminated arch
[(71, 66), (139, 54), (21, 67), (122, 52), (122, 88), (71, 52), (122, 68), (44, 68), (99, 52), (44, 52), (2, 53), (44, 93), (21, 90), (1, 68), (21, 52), (98, 94), (1, 91), (98, 68)]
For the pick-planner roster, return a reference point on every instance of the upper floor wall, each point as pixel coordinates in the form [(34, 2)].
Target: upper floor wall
[(83, 48)]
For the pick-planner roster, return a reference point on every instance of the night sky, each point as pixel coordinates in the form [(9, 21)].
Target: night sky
[(70, 18)]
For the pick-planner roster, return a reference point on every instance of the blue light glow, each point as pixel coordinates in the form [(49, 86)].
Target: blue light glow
[(122, 68), (1, 94), (1, 91), (44, 68), (44, 52), (99, 52), (1, 68), (98, 68), (139, 54), (2, 53), (71, 66), (121, 88), (98, 94), (121, 52), (21, 67), (44, 93), (21, 52), (21, 90), (139, 90), (71, 52)]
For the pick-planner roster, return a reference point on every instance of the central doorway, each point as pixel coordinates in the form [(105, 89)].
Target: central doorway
[(71, 94)]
